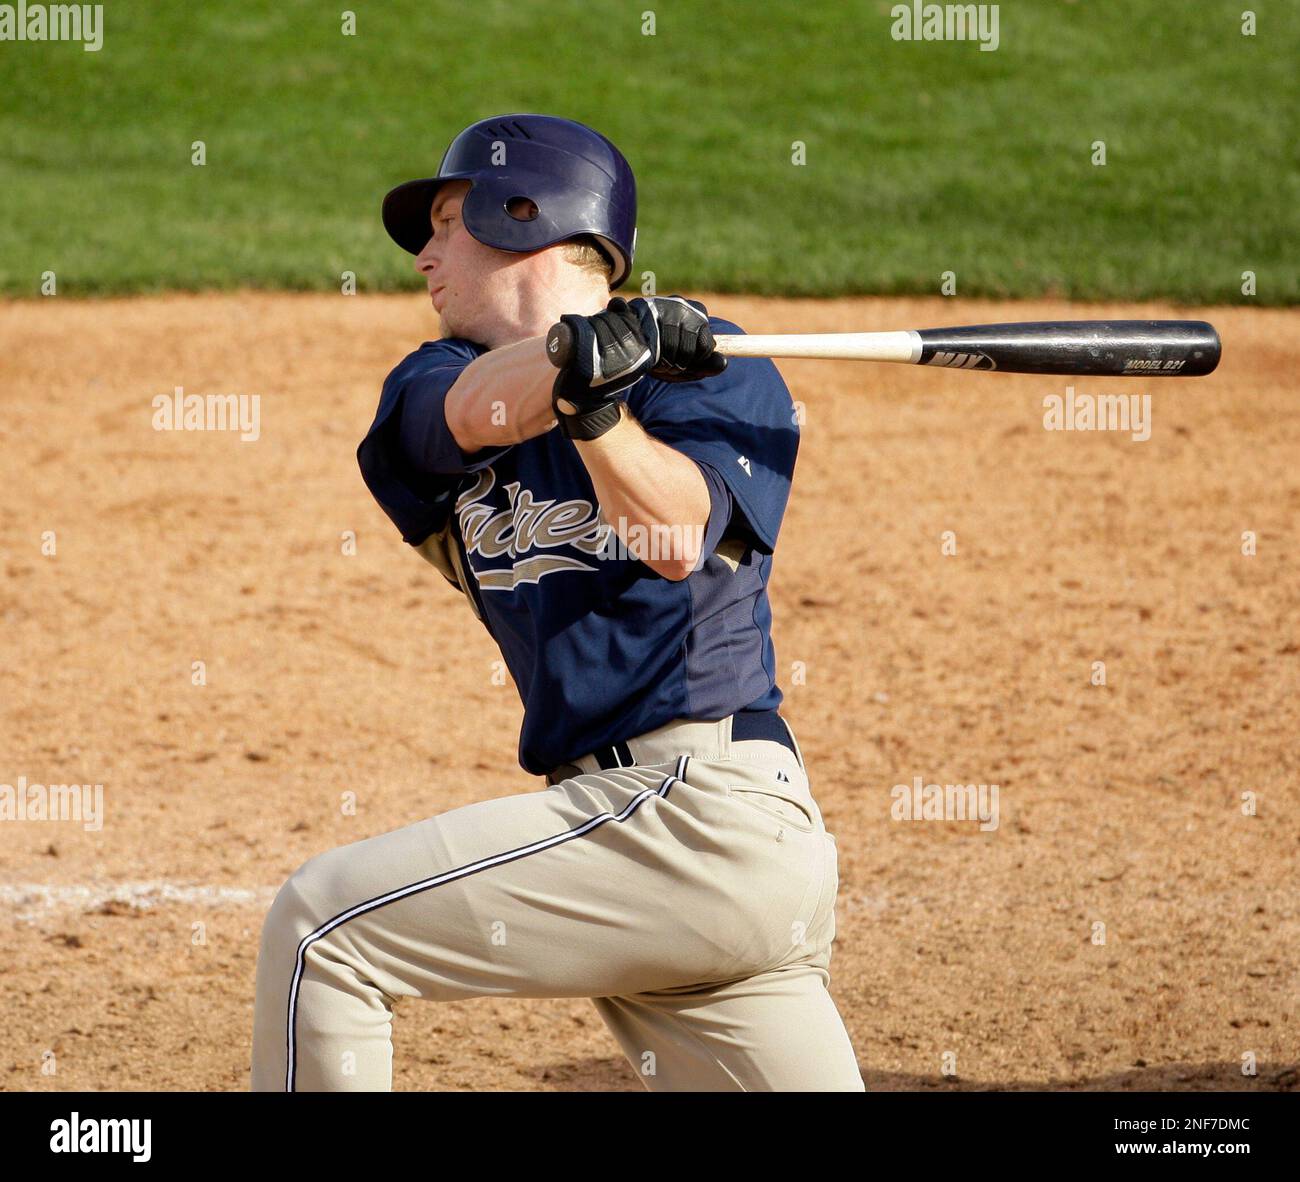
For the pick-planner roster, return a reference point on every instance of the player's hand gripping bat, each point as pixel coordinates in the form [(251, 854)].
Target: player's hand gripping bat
[(1111, 348)]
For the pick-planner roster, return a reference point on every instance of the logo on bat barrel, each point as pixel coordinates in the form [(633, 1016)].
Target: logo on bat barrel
[(961, 360), (1141, 365)]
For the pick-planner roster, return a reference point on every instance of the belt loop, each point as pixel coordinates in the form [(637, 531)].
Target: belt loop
[(565, 771)]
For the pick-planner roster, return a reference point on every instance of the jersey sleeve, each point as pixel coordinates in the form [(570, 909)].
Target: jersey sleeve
[(409, 458), (741, 424), (721, 506)]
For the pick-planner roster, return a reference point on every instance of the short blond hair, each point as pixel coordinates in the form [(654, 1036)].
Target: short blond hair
[(586, 253)]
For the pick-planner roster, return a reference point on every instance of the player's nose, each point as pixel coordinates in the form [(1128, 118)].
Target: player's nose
[(427, 259)]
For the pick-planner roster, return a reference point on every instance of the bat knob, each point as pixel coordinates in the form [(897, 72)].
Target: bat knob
[(559, 345)]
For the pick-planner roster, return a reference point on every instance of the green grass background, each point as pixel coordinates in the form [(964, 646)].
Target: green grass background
[(922, 157)]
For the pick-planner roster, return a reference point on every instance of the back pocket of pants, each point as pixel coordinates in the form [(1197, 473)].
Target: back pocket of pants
[(789, 811)]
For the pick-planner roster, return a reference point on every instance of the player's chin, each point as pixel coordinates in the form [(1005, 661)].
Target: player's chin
[(457, 324)]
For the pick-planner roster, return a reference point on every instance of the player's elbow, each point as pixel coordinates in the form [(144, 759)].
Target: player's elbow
[(674, 570), (672, 551), (677, 564)]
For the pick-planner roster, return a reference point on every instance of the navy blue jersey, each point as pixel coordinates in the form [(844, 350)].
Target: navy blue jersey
[(601, 647)]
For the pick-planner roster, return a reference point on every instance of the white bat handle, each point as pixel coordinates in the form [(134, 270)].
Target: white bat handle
[(848, 346)]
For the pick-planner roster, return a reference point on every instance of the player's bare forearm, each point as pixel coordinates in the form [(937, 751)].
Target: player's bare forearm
[(654, 497), (503, 397)]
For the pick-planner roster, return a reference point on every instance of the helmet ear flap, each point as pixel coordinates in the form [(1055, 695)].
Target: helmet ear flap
[(504, 213)]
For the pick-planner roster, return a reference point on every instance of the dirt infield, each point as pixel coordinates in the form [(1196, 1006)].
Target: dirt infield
[(127, 952)]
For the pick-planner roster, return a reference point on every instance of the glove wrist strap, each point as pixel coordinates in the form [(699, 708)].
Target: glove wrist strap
[(591, 424)]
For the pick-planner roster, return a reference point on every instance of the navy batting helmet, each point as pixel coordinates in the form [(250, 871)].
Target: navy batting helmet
[(535, 180)]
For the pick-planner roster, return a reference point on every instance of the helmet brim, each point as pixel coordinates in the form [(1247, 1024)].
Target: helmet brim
[(406, 211)]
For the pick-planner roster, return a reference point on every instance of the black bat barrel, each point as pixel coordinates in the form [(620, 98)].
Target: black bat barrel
[(1114, 348)]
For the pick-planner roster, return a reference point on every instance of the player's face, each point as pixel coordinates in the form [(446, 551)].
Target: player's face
[(473, 287)]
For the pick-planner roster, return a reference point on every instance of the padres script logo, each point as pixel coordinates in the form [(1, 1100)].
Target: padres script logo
[(524, 526)]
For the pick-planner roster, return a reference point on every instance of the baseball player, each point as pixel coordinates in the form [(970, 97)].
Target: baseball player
[(612, 526)]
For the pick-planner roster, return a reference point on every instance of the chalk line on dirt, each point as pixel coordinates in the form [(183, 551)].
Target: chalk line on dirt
[(31, 899)]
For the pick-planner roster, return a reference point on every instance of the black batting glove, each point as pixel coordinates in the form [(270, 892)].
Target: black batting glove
[(610, 355), (678, 332)]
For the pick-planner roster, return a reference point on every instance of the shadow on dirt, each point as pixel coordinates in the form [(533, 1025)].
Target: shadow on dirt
[(615, 1075), (1171, 1077)]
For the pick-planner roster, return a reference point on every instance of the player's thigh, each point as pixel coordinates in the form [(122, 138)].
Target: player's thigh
[(779, 1031), (551, 893)]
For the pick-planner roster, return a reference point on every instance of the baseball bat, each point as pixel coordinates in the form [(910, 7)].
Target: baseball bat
[(1109, 348)]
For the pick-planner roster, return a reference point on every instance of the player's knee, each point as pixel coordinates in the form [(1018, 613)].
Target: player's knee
[(294, 912), (280, 928), (321, 888)]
